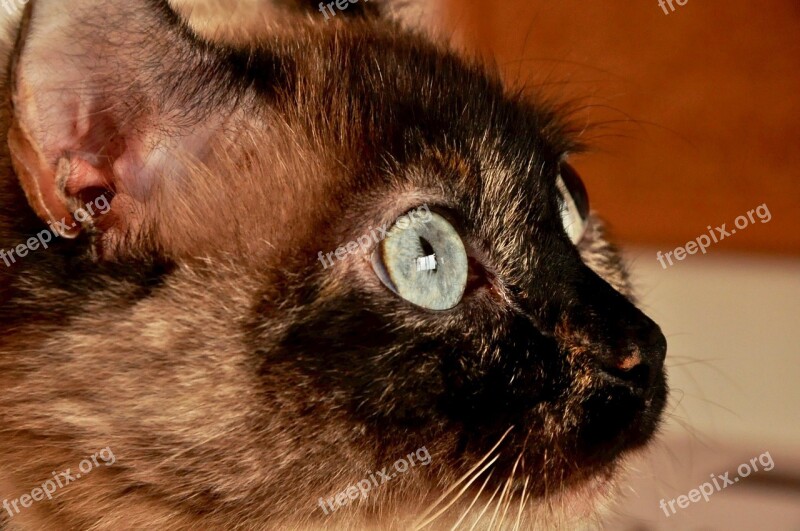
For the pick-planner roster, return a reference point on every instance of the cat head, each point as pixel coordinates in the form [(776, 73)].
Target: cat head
[(328, 245)]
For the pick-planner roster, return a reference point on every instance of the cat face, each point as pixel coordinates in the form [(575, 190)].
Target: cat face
[(326, 248)]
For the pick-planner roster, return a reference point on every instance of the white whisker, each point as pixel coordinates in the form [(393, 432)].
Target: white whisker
[(499, 503), (488, 503), (522, 501), (510, 492), (463, 478), (475, 499), (458, 496)]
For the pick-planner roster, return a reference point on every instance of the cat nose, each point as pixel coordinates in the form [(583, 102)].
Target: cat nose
[(638, 358)]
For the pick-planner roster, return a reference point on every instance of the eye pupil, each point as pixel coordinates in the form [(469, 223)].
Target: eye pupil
[(427, 261), (426, 246)]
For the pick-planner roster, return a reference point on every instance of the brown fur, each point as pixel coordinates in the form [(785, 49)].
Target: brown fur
[(183, 336)]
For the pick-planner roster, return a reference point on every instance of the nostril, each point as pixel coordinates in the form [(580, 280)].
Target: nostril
[(638, 376), (638, 362)]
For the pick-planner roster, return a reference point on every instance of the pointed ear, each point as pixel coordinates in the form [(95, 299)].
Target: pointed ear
[(236, 21), (422, 15), (104, 94)]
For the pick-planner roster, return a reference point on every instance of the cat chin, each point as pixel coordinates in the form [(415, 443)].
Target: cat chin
[(590, 499), (578, 506)]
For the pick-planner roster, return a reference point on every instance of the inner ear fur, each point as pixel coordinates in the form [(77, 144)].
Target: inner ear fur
[(107, 97)]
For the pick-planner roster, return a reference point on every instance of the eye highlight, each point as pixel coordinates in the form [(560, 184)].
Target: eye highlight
[(424, 261), (574, 202)]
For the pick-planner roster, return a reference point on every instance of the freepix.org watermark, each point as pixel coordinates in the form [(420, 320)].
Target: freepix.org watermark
[(59, 480), (664, 3), (718, 482), (420, 214), (716, 235), (376, 479), (43, 239), (341, 5)]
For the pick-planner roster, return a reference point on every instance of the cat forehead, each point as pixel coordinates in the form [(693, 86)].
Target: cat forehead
[(363, 100), (332, 128), (394, 84)]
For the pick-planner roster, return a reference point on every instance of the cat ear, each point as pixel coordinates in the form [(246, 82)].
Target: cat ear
[(236, 20), (422, 15), (101, 105)]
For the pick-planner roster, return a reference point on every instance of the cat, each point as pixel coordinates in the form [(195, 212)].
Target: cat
[(190, 333)]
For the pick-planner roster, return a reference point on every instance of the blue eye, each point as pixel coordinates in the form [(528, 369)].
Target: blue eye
[(574, 202), (423, 260)]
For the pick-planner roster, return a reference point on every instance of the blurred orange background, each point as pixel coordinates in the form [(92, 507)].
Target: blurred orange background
[(697, 111)]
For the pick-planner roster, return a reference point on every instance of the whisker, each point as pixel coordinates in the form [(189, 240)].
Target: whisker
[(450, 489), (510, 492), (488, 503), (475, 499), (521, 502), (499, 503), (460, 493)]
